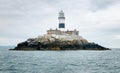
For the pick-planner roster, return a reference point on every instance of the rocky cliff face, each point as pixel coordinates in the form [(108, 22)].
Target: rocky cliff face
[(53, 43)]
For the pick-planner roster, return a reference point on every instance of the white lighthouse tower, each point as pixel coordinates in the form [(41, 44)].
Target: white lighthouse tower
[(61, 32), (61, 19)]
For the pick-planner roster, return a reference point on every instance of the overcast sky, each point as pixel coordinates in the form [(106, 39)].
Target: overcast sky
[(97, 20)]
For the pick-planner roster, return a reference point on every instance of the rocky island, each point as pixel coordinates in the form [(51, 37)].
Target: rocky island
[(59, 39)]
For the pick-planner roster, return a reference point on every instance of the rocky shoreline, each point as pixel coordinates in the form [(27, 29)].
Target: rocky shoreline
[(58, 45)]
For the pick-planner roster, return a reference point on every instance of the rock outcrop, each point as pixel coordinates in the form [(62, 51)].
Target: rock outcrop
[(53, 43)]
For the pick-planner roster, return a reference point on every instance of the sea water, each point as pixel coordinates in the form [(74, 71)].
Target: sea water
[(80, 61)]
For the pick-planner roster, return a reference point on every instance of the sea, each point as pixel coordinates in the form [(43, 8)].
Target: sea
[(78, 61)]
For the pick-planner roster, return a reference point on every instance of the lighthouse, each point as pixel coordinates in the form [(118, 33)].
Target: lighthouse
[(61, 19)]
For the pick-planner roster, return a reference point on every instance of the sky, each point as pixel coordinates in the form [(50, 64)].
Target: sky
[(97, 20)]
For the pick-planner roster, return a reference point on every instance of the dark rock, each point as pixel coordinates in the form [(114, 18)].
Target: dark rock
[(58, 45)]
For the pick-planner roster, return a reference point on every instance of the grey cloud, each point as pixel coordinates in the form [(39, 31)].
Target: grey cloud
[(102, 4)]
